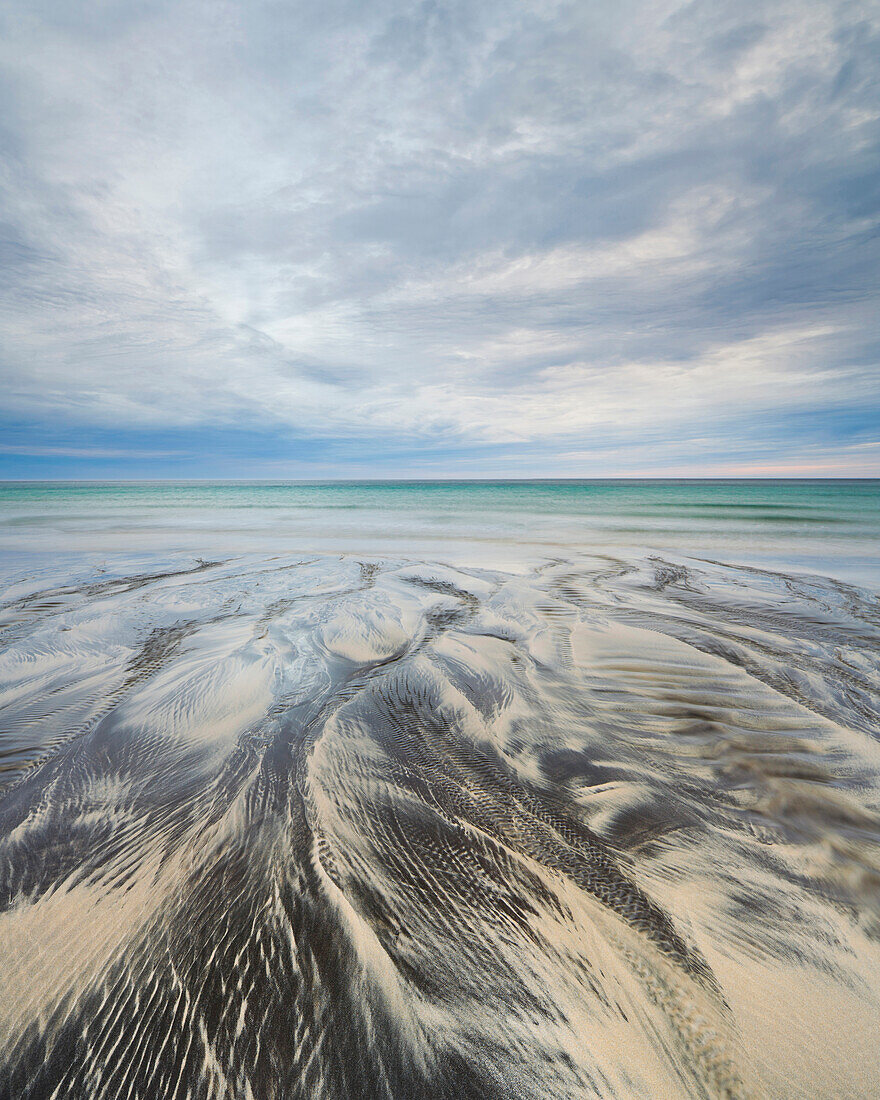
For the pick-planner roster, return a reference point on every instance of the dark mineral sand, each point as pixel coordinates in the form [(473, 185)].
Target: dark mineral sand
[(589, 823)]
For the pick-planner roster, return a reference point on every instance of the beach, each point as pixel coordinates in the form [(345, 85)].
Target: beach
[(460, 789)]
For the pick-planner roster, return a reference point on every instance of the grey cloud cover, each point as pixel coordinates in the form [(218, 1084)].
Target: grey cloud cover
[(566, 227)]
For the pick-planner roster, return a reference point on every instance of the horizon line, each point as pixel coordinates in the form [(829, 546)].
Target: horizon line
[(423, 480)]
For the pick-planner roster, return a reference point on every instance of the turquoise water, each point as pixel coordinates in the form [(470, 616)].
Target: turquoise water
[(827, 526)]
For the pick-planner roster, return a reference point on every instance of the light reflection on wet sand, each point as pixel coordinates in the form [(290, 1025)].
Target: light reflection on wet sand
[(289, 827)]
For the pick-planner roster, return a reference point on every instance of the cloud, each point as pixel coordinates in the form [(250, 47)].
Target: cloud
[(455, 226), (29, 450)]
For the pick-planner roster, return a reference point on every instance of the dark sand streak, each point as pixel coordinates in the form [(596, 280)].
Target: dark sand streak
[(358, 829)]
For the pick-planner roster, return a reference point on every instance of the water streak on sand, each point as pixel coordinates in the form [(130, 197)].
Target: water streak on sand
[(288, 827)]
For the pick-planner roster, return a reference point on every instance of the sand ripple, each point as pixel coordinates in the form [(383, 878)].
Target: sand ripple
[(328, 828)]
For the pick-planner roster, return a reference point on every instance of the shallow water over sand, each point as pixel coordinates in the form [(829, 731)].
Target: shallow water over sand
[(829, 527), (361, 827)]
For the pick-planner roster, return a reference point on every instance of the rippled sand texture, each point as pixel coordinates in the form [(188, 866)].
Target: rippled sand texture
[(337, 829)]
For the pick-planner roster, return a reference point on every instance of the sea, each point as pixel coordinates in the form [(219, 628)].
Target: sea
[(452, 789), (826, 526)]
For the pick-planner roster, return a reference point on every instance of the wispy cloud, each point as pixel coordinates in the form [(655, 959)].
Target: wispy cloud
[(30, 450), (456, 234)]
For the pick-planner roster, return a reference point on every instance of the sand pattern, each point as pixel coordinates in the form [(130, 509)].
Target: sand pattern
[(288, 828)]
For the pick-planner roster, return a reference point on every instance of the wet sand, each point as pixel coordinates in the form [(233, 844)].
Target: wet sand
[(330, 827)]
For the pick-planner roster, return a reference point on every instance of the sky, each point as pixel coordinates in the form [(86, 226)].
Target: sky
[(440, 239)]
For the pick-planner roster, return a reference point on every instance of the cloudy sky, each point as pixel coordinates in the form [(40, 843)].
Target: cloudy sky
[(451, 238)]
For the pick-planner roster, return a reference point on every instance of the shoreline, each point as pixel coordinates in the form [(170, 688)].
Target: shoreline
[(597, 793)]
